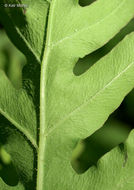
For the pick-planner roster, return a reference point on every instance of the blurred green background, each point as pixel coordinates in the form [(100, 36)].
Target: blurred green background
[(88, 151), (11, 62)]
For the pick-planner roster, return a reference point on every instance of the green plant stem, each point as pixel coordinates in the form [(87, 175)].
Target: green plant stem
[(42, 138), (43, 83)]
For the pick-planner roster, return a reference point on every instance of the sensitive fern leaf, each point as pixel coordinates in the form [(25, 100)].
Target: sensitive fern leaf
[(55, 34)]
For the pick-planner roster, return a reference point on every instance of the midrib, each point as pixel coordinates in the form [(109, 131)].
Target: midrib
[(43, 80)]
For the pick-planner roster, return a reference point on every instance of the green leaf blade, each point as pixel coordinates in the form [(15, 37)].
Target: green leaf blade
[(88, 117), (53, 35)]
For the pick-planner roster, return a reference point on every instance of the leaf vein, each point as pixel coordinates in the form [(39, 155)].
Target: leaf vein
[(87, 101), (86, 28), (21, 129)]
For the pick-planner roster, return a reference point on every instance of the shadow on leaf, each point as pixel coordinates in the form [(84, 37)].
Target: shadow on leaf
[(85, 63)]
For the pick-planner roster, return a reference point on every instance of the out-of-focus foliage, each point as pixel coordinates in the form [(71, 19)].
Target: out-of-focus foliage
[(7, 170), (11, 60), (89, 151)]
